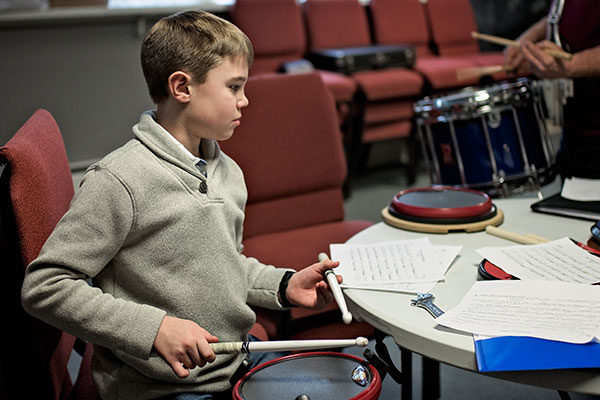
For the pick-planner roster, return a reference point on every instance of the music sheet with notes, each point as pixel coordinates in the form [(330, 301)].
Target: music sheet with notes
[(403, 265), (568, 312), (559, 260)]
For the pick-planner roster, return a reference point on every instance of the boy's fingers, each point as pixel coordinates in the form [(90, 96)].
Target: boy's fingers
[(179, 369), (206, 353)]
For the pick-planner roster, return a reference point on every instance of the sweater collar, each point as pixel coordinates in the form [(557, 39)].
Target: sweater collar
[(157, 139)]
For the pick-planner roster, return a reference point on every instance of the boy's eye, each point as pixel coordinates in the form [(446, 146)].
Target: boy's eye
[(234, 88)]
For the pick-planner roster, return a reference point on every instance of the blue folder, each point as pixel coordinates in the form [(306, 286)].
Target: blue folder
[(516, 353)]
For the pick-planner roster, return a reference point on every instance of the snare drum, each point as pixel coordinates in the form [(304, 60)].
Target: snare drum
[(493, 139), (314, 376)]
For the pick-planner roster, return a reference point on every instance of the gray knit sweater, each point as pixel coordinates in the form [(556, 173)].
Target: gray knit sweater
[(153, 244)]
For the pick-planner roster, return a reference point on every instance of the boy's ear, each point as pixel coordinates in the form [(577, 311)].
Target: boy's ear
[(178, 85)]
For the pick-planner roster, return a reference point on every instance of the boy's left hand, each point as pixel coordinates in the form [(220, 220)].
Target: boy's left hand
[(308, 287)]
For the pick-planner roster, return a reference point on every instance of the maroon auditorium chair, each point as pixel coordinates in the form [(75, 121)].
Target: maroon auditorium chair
[(277, 33), (290, 150), (35, 191), (388, 93), (452, 22), (404, 21)]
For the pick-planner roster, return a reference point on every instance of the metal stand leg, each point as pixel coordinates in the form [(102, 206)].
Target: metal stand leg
[(406, 363), (564, 395), (431, 379)]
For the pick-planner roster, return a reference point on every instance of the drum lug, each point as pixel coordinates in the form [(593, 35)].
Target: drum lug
[(500, 182)]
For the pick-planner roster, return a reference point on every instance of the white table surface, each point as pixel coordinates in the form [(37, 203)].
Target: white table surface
[(415, 329)]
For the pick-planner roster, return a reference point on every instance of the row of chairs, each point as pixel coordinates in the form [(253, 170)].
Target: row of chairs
[(372, 105), (294, 173)]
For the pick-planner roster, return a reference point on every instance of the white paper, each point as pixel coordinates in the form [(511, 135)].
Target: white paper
[(559, 260), (388, 264), (568, 312), (580, 189)]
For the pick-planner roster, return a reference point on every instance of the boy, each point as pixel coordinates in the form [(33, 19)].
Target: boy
[(161, 238)]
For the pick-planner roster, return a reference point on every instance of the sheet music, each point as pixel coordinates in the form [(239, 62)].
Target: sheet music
[(568, 312), (559, 260), (402, 261)]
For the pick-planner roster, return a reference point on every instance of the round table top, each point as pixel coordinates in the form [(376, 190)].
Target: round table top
[(415, 329)]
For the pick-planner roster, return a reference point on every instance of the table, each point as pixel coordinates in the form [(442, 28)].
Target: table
[(414, 329)]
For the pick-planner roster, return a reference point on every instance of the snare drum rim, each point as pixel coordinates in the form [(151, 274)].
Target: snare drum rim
[(373, 387), (442, 212)]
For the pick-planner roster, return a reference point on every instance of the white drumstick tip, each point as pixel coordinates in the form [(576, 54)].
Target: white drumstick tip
[(347, 317), (362, 341)]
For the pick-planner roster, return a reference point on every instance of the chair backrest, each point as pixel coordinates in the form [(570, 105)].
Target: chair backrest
[(290, 149), (401, 22), (336, 23), (452, 22), (275, 28), (36, 191)]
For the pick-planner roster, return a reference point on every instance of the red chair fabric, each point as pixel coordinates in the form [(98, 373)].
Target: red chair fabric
[(387, 93), (290, 150), (452, 22), (277, 33), (404, 21), (38, 192), (276, 30)]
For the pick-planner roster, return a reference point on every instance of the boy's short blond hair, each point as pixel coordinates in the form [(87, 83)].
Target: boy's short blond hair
[(192, 41)]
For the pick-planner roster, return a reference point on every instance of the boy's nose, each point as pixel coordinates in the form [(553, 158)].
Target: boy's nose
[(243, 102)]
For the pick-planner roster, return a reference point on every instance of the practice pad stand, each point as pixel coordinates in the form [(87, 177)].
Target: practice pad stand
[(244, 367), (404, 377)]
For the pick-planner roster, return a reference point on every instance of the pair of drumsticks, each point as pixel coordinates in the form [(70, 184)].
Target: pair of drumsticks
[(296, 345), (466, 73)]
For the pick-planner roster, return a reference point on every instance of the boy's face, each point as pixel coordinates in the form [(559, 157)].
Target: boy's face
[(215, 109)]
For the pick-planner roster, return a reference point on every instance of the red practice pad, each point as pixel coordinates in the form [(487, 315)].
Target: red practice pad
[(442, 210), (316, 375), (489, 271)]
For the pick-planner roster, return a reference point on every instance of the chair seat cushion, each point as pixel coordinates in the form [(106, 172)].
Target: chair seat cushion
[(342, 87), (389, 83), (441, 72)]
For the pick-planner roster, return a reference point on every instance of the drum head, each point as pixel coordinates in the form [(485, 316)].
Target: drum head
[(318, 375), (442, 203)]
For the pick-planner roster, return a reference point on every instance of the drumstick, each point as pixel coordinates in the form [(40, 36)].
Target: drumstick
[(285, 345), (513, 43), (472, 72), (515, 237), (337, 291), (540, 239)]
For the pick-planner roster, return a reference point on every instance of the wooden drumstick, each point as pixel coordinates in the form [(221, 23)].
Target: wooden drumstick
[(513, 43), (285, 345), (515, 237), (337, 291), (474, 72)]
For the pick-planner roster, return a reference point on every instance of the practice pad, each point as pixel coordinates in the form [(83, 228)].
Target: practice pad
[(488, 271), (442, 210)]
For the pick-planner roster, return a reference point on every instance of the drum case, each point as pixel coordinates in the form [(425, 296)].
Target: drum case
[(348, 60)]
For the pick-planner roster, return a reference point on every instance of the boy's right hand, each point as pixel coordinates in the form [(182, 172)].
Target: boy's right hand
[(183, 345)]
